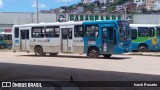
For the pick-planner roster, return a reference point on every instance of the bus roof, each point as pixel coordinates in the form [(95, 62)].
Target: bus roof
[(5, 33), (47, 24), (142, 25), (67, 23)]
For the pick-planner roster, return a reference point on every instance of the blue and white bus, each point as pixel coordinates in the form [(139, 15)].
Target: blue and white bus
[(145, 37), (5, 38), (93, 38)]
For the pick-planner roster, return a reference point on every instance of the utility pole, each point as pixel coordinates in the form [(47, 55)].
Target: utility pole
[(68, 3), (125, 12), (36, 11)]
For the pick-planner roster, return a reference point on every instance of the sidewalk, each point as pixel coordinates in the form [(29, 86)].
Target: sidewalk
[(6, 50), (144, 53), (131, 53)]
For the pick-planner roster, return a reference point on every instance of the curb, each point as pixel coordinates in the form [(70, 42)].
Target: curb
[(144, 54)]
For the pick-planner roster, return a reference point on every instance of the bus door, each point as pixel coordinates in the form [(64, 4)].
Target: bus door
[(67, 41), (24, 34), (107, 40)]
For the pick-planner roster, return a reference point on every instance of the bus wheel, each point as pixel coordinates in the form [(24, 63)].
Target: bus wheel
[(39, 51), (53, 54), (93, 53), (143, 48), (107, 55)]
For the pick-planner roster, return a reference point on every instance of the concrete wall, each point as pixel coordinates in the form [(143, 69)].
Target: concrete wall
[(146, 19), (15, 18), (47, 17), (26, 18)]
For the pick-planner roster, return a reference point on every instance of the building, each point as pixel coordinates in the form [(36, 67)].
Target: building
[(156, 5), (7, 20), (150, 4), (139, 2), (96, 10), (112, 1), (103, 1), (46, 11), (87, 1), (131, 7), (119, 8), (80, 9)]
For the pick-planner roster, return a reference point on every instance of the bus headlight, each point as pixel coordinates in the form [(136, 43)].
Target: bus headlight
[(120, 44)]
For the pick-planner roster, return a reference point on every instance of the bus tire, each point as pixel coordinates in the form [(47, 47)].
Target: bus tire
[(142, 48), (53, 54), (93, 53), (39, 51), (107, 55)]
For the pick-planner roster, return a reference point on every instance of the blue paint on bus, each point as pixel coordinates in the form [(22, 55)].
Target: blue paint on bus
[(113, 46)]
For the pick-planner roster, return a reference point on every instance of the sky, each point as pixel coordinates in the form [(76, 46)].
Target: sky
[(29, 5)]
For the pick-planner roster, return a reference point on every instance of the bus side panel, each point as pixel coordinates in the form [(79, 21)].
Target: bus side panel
[(53, 45), (154, 44), (135, 46), (78, 45), (91, 42), (49, 45), (148, 42)]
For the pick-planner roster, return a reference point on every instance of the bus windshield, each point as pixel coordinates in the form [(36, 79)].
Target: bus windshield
[(124, 30)]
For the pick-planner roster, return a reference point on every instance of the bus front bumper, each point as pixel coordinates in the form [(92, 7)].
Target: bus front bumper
[(122, 50)]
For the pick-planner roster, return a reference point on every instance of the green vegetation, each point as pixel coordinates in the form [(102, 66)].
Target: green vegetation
[(90, 7), (119, 2), (111, 8)]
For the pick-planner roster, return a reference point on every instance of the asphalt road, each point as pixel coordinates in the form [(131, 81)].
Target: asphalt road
[(27, 67)]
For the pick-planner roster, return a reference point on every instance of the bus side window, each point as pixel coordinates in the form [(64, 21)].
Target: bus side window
[(9, 37), (1, 37), (111, 32), (57, 31), (104, 36), (38, 32), (158, 31), (64, 33), (151, 32), (134, 34), (78, 31), (91, 31), (16, 32), (52, 31), (70, 33), (115, 39), (143, 32)]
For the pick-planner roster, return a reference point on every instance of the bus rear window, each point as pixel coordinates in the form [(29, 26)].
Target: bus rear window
[(16, 32)]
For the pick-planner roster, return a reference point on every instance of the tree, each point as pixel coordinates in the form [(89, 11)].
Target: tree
[(111, 8)]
